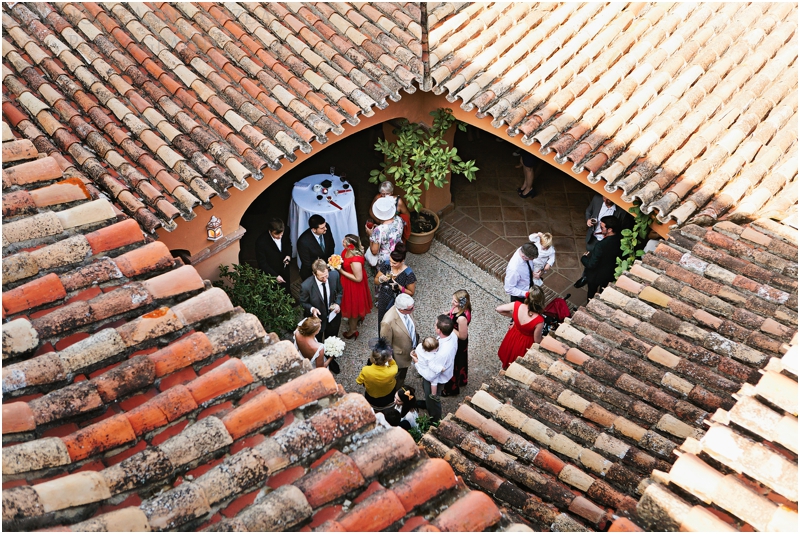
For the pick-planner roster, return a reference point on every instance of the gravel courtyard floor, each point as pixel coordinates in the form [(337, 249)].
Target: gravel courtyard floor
[(440, 272)]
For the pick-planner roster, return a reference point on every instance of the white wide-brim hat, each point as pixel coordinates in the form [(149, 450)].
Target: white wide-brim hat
[(384, 208)]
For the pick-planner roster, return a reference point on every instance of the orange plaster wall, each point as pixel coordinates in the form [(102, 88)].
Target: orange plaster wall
[(191, 235)]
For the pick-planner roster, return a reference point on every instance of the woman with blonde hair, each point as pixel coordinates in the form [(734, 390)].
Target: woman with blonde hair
[(356, 295), (547, 256), (461, 314), (526, 328), (306, 343)]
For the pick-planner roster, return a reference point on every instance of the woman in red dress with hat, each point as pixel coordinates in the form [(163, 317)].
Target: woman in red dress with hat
[(356, 295), (526, 328)]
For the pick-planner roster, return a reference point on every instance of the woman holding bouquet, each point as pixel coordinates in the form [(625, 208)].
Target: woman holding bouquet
[(356, 295), (307, 344)]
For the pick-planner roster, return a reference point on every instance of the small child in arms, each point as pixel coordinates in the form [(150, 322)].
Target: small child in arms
[(427, 362)]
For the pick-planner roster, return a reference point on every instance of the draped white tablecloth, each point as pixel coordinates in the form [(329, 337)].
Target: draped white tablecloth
[(305, 204)]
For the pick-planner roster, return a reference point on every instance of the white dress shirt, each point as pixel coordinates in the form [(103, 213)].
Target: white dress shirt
[(447, 351), (327, 289), (431, 365), (517, 280), (604, 211), (277, 243), (547, 256)]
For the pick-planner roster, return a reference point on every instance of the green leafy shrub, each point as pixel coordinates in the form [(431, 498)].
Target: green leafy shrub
[(420, 156), (630, 246), (259, 293), (424, 423)]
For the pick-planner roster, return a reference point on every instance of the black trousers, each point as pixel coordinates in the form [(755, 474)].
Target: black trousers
[(331, 329), (432, 404)]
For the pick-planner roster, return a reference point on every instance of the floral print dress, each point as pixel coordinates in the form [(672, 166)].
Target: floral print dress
[(387, 235)]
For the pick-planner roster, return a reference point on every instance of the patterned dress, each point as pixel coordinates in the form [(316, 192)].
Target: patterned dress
[(386, 294), (387, 235)]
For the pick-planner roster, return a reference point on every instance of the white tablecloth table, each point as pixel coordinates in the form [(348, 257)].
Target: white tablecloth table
[(305, 204)]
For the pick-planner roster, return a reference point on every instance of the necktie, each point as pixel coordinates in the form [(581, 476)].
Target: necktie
[(321, 243), (530, 273), (409, 327), (325, 297)]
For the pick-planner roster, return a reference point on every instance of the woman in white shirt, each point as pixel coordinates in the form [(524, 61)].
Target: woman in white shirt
[(547, 255)]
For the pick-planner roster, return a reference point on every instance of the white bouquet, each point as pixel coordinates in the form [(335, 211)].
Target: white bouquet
[(334, 347)]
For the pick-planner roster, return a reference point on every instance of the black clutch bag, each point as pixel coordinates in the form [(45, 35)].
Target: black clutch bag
[(326, 183)]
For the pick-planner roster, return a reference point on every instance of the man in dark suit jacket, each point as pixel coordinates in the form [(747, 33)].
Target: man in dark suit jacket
[(313, 293), (601, 262), (604, 205), (313, 244), (274, 252)]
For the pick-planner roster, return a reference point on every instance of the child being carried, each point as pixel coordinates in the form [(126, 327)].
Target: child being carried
[(428, 362)]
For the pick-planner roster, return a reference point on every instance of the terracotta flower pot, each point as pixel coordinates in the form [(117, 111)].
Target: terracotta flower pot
[(420, 243)]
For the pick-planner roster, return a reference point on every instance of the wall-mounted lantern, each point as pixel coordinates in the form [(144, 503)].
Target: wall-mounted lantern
[(214, 228)]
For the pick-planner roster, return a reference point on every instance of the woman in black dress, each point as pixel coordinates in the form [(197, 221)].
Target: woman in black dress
[(461, 314), (393, 278)]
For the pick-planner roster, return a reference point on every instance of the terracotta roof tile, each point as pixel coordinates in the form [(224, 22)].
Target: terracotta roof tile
[(33, 294), (603, 399), (20, 149), (337, 476), (474, 512)]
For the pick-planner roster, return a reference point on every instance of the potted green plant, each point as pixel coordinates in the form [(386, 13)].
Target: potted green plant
[(418, 158)]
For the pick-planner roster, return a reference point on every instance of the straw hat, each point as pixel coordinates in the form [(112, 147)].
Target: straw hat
[(384, 208)]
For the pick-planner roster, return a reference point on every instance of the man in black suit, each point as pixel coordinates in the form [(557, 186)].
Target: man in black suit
[(601, 262), (313, 244), (598, 208), (274, 252), (320, 295)]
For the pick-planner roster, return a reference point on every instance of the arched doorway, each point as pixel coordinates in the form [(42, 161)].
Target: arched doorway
[(354, 155)]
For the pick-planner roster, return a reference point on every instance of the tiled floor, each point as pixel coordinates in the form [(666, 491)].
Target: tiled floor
[(490, 220), (489, 212)]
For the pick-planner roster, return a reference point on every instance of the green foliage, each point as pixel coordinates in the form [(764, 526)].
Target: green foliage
[(258, 293), (420, 157), (424, 423), (631, 239)]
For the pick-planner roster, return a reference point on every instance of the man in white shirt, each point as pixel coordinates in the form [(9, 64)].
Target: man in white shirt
[(448, 345), (519, 272)]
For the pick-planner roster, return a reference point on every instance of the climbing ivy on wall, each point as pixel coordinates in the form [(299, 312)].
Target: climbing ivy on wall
[(632, 239)]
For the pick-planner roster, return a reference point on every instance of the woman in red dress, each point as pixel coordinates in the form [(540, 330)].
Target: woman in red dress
[(356, 295), (526, 328)]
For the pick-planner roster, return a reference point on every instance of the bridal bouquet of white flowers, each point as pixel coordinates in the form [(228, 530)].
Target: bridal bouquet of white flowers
[(334, 347)]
